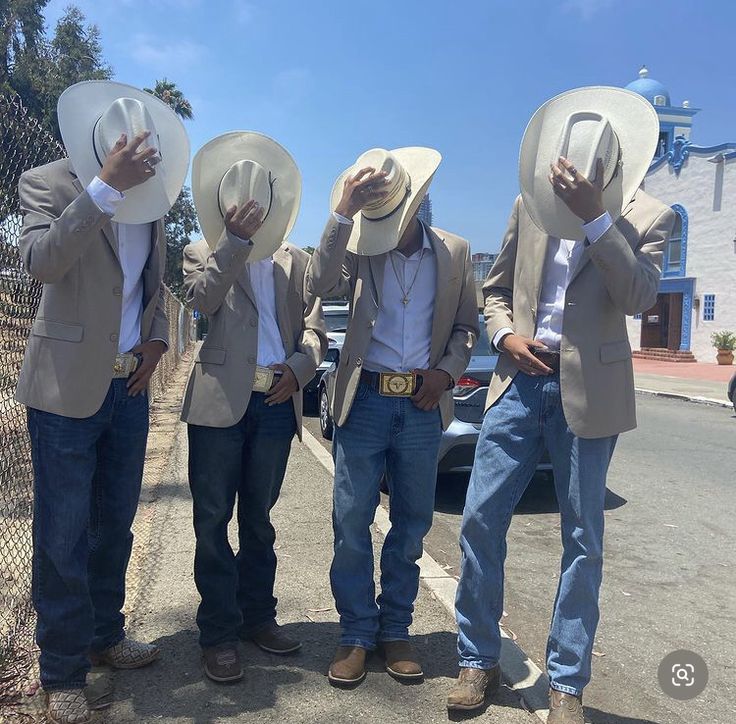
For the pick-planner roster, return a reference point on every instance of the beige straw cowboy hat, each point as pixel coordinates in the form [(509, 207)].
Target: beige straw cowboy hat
[(379, 227), (618, 126), (241, 166), (92, 116)]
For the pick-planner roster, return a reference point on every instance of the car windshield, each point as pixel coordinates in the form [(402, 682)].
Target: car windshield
[(336, 321)]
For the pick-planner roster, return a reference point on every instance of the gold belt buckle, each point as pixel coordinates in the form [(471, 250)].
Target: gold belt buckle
[(263, 379), (397, 384), (124, 365)]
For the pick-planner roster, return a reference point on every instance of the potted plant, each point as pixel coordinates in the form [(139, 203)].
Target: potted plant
[(725, 342)]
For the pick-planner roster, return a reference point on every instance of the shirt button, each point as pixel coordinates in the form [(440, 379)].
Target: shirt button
[(117, 291), (113, 337), (253, 322), (252, 360)]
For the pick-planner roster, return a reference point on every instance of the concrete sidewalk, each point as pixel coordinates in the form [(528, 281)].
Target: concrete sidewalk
[(696, 381), (275, 689)]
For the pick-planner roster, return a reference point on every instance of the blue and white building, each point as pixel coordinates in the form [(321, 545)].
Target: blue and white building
[(697, 292)]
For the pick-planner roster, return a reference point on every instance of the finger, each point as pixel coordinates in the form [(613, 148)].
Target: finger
[(120, 143), (535, 343), (561, 175), (138, 139), (358, 177), (535, 363), (230, 213), (244, 210), (145, 154), (569, 167), (599, 172), (375, 179)]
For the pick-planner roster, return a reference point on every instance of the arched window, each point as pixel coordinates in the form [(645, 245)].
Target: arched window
[(675, 253)]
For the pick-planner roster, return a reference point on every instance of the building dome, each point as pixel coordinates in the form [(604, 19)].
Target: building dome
[(651, 89)]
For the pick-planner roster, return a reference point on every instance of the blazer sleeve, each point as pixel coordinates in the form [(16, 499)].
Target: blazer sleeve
[(311, 346), (632, 276), (160, 323), (465, 328), (498, 288), (330, 271), (207, 280), (51, 241)]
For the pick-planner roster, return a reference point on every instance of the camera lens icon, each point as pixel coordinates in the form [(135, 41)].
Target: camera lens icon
[(683, 675)]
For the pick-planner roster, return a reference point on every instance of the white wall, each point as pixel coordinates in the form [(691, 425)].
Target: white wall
[(708, 193)]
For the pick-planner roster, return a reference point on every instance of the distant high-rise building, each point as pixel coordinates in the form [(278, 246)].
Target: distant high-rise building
[(425, 210), (482, 264)]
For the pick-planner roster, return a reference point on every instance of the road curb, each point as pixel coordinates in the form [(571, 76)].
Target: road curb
[(684, 398), (518, 670)]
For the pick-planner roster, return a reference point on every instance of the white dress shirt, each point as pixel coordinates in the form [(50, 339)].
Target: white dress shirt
[(402, 335), (561, 261), (134, 247), (270, 345)]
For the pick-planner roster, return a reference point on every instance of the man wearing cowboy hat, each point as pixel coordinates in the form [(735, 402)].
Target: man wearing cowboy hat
[(243, 403), (93, 235), (413, 324), (583, 250)]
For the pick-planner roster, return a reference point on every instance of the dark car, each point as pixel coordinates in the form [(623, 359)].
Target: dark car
[(336, 321), (457, 447), (732, 392)]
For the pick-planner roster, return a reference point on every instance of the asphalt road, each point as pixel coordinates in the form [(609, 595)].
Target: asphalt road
[(670, 570)]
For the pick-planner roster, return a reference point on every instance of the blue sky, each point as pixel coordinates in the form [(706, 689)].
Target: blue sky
[(331, 78)]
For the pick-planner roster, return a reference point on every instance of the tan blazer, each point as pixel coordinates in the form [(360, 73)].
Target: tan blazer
[(336, 272), (617, 276), (218, 285), (68, 244)]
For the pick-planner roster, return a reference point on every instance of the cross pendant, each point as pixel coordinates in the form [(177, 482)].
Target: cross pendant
[(405, 301)]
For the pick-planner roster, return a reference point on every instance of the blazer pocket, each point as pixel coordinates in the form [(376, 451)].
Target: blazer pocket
[(58, 330), (212, 356), (615, 352)]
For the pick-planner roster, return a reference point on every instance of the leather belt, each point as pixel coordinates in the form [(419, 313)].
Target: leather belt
[(392, 384), (125, 365), (550, 358)]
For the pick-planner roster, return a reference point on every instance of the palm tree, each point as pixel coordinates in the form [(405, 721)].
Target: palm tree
[(173, 97)]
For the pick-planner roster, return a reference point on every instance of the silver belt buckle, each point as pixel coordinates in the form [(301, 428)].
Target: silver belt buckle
[(124, 366), (263, 379)]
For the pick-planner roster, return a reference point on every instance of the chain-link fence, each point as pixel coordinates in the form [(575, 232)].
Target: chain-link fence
[(24, 143)]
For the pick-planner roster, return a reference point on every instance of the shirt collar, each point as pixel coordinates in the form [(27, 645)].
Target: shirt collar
[(426, 244)]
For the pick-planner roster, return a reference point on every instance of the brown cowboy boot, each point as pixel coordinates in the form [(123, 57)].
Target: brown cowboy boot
[(472, 687), (401, 661), (348, 666), (565, 708)]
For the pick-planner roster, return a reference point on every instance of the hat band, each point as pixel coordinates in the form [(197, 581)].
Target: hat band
[(271, 182), (407, 191)]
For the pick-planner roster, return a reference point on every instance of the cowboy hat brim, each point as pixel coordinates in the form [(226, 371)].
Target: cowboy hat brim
[(372, 237), (636, 125), (215, 159), (80, 107)]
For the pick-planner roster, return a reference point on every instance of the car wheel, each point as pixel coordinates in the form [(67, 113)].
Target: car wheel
[(325, 420)]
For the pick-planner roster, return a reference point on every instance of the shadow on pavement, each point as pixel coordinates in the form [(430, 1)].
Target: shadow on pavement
[(602, 717), (539, 497)]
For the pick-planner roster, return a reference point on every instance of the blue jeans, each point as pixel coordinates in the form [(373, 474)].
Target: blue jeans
[(247, 460), (382, 435), (514, 433), (88, 476)]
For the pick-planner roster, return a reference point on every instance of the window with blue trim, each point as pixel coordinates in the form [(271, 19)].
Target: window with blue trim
[(709, 307), (673, 264)]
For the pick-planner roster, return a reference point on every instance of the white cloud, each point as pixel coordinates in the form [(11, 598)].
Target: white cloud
[(587, 9), (163, 57)]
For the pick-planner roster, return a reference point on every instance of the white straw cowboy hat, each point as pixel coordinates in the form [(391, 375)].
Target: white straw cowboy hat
[(92, 116), (379, 227), (241, 166), (618, 126)]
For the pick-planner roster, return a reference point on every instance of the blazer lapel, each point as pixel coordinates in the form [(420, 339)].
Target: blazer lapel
[(535, 259), (445, 273), (244, 281), (281, 274), (378, 269), (107, 228)]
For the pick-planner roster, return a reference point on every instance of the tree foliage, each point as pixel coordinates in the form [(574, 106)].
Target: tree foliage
[(170, 94), (38, 68)]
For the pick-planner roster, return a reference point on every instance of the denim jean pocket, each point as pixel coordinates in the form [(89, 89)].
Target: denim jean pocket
[(362, 392)]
